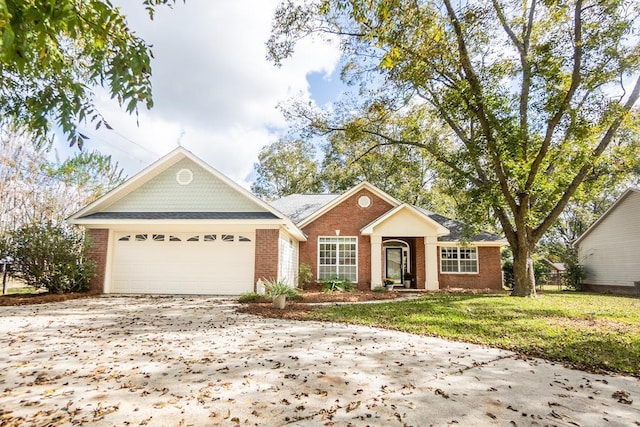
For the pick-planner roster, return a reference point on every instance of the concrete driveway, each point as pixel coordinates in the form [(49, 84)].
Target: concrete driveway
[(194, 361)]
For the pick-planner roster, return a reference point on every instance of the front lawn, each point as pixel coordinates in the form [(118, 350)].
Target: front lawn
[(585, 330)]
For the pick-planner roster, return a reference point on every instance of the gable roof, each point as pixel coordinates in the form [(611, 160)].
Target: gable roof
[(440, 229), (100, 209), (625, 195), (318, 204), (305, 208)]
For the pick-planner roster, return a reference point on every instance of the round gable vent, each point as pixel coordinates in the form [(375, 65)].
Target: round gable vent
[(184, 176), (364, 201)]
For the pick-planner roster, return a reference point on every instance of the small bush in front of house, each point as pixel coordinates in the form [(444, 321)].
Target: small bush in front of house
[(250, 297), (275, 287), (337, 284), (51, 257), (379, 289), (304, 275)]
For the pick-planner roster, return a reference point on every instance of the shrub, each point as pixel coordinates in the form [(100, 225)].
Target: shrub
[(508, 277), (51, 257), (250, 297), (337, 284), (276, 287), (304, 275), (379, 289)]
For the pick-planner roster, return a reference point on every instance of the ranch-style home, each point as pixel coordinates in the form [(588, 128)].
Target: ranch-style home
[(609, 248), (181, 227)]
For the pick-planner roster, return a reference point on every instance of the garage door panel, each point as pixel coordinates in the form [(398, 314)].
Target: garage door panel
[(164, 266)]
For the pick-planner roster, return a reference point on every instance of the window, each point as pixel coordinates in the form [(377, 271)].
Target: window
[(141, 237), (227, 237), (209, 238), (158, 237), (125, 238), (193, 239), (243, 239), (459, 260), (338, 256)]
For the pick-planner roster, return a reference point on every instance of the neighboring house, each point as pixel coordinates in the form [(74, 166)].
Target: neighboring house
[(181, 227), (609, 248)]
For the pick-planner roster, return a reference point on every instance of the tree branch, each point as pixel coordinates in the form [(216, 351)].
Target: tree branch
[(575, 83), (581, 175)]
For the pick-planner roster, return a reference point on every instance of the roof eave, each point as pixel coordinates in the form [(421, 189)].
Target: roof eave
[(624, 195)]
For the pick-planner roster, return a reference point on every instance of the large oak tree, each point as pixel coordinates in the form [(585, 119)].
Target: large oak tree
[(532, 92)]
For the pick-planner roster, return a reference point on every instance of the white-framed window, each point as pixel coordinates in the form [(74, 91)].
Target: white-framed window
[(338, 257), (459, 259)]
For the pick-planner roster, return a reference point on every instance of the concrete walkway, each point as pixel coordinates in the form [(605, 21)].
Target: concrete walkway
[(195, 361)]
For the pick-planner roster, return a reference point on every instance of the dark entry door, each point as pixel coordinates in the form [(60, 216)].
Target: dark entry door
[(394, 264)]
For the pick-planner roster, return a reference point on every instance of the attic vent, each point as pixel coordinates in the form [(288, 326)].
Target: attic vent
[(364, 201), (184, 176)]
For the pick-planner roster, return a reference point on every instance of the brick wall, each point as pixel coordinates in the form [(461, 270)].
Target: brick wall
[(418, 255), (349, 218), (98, 253), (266, 261), (489, 274)]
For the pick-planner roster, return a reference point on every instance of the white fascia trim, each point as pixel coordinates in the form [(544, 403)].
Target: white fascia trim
[(367, 230), (270, 223), (162, 164), (335, 202), (606, 214)]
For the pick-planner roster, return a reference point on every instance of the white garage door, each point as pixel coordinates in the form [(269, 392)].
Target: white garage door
[(183, 263)]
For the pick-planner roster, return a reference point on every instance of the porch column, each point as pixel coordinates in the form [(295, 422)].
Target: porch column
[(376, 261), (431, 262)]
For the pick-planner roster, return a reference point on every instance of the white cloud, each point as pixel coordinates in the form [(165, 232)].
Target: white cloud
[(211, 81)]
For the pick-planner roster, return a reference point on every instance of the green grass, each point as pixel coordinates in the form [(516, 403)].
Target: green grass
[(586, 330)]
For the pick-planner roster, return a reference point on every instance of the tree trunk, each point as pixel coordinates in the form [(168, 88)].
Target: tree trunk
[(523, 273)]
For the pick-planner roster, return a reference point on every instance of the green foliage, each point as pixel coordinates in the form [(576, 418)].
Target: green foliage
[(51, 257), (507, 274), (274, 288), (575, 272), (250, 297), (304, 275), (379, 289), (53, 52), (589, 331), (336, 284), (284, 168), (529, 101)]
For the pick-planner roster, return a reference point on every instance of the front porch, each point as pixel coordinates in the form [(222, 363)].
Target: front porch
[(404, 242)]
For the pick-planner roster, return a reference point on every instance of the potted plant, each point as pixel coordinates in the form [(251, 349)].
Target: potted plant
[(388, 282), (278, 292), (407, 280)]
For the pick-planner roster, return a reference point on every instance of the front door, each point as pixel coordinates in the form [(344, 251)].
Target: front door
[(394, 264)]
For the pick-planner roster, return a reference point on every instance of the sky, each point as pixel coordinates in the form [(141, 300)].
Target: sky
[(214, 91)]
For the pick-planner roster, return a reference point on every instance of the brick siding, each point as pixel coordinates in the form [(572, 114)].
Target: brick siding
[(489, 275), (349, 218), (98, 253), (266, 261)]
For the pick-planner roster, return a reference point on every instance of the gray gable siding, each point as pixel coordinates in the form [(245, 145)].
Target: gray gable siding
[(205, 193)]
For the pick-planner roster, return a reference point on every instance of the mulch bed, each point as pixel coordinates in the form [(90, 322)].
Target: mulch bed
[(297, 309), (41, 298)]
